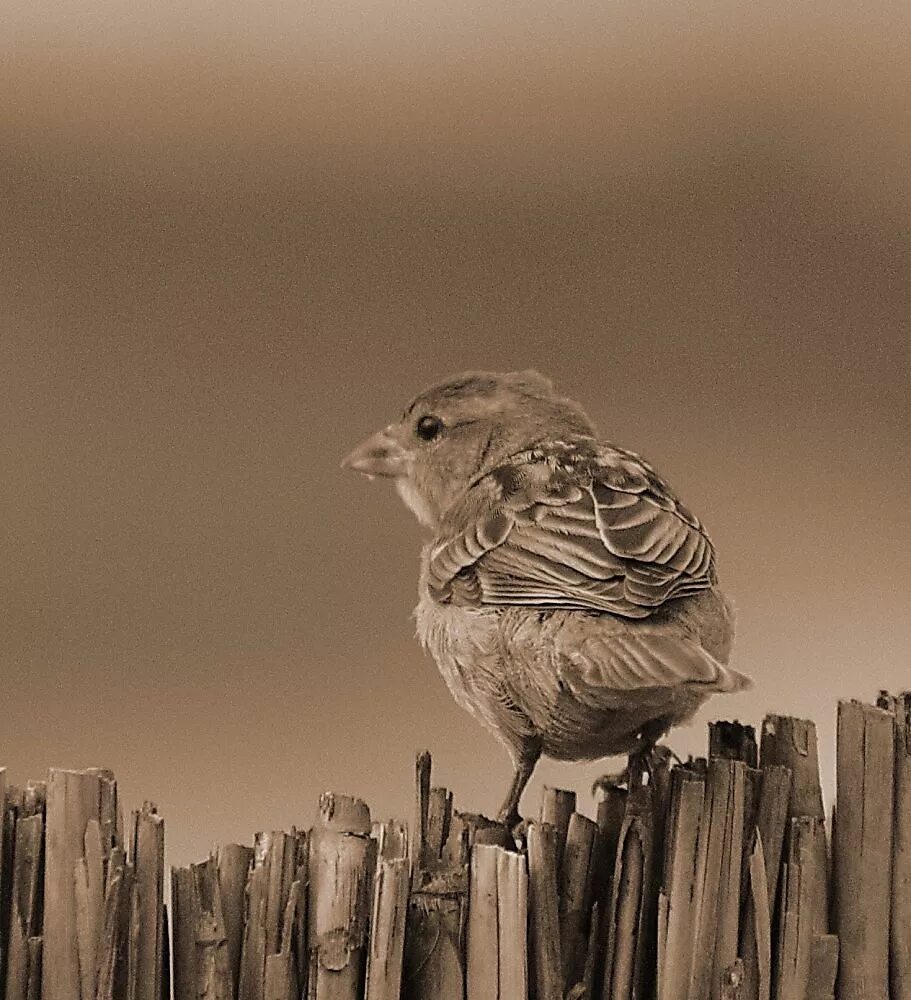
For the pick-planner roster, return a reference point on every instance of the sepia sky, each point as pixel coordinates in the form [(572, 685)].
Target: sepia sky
[(238, 237)]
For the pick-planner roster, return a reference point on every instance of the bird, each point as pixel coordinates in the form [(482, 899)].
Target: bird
[(569, 598)]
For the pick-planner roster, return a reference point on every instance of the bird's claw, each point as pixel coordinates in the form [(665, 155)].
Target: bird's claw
[(517, 826), (644, 761)]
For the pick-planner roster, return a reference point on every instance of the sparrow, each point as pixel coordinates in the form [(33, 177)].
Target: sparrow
[(569, 599)]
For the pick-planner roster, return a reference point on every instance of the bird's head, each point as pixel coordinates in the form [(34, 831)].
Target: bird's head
[(455, 432)]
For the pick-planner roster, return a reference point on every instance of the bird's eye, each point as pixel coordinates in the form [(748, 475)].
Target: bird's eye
[(428, 427)]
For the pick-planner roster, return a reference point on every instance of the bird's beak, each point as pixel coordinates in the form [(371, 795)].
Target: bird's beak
[(380, 455)]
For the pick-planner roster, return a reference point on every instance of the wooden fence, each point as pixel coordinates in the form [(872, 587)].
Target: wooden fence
[(710, 880)]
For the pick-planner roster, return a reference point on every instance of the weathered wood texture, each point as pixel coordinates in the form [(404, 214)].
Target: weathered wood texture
[(863, 849), (707, 881)]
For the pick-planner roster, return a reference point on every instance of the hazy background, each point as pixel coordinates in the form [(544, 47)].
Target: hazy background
[(237, 237)]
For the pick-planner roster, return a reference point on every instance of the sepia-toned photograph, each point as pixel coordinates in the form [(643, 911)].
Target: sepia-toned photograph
[(454, 495)]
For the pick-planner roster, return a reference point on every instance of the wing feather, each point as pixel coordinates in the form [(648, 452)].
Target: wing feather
[(600, 531), (600, 667)]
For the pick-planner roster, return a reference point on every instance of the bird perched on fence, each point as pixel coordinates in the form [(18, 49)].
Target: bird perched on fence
[(568, 597)]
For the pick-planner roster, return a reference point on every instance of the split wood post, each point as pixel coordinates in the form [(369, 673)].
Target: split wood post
[(25, 916), (148, 861), (391, 884), (676, 904), (482, 946), (113, 970), (419, 837), (771, 823), (512, 925), (33, 991), (823, 967), (392, 839), (863, 849), (756, 929), (557, 806), (544, 922), (799, 895), (792, 742), (166, 993), (576, 890), (10, 800), (609, 820), (387, 928), (281, 977), (631, 918), (183, 919), (717, 877), (733, 741), (213, 975), (342, 859), (433, 964), (89, 888), (900, 926), (626, 927), (233, 862), (73, 798), (251, 981)]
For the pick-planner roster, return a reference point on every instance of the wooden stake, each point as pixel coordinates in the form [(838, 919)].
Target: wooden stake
[(800, 891), (25, 918), (183, 913), (717, 883), (823, 967), (771, 822), (148, 861), (213, 976), (677, 913), (482, 969), (512, 923), (756, 930), (900, 927), (792, 742), (233, 863), (733, 741), (392, 839), (33, 989), (387, 928), (165, 954), (342, 860), (73, 798), (281, 977), (8, 810), (112, 967), (576, 897), (557, 805), (439, 817), (423, 766), (251, 982), (433, 966), (622, 980), (544, 923), (611, 810), (863, 848)]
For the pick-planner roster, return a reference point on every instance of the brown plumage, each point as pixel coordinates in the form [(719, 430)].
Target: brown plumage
[(569, 599)]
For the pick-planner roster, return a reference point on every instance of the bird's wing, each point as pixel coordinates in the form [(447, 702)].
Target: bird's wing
[(596, 666), (605, 534)]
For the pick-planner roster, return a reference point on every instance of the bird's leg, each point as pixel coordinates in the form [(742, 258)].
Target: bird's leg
[(525, 765)]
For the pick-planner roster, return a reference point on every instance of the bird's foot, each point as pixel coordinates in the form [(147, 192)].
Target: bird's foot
[(644, 759), (517, 826)]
